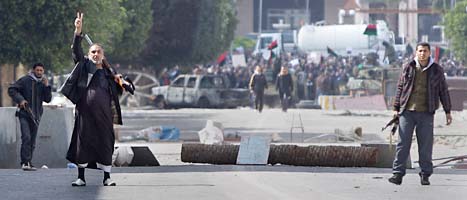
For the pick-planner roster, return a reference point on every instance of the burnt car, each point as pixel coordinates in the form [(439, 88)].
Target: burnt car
[(203, 91)]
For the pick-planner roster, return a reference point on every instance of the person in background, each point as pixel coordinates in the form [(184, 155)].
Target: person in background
[(284, 85), (29, 92), (257, 85)]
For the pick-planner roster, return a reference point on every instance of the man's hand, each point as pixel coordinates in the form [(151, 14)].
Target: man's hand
[(78, 23), (448, 119), (45, 81), (23, 104), (395, 114), (118, 77)]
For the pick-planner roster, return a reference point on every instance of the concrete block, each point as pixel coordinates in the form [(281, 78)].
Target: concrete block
[(9, 139), (52, 140), (385, 156)]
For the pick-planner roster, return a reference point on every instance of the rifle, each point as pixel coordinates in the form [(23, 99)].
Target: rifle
[(32, 116), (448, 160), (394, 122)]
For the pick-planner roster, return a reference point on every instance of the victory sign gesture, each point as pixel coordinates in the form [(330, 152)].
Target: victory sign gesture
[(78, 23)]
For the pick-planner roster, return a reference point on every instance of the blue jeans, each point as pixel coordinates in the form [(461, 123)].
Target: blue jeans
[(422, 122)]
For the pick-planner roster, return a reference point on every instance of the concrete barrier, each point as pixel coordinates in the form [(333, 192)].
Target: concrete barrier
[(386, 153), (52, 141)]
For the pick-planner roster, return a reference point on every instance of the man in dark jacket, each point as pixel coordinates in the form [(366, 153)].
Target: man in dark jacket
[(93, 87), (29, 92), (257, 85), (421, 87), (285, 86)]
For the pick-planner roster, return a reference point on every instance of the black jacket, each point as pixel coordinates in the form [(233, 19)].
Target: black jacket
[(76, 84), (284, 83), (258, 82), (33, 91)]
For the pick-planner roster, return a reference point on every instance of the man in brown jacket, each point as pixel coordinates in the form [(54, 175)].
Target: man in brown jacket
[(421, 87)]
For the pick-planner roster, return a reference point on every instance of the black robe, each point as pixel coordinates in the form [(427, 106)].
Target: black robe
[(97, 109), (93, 135)]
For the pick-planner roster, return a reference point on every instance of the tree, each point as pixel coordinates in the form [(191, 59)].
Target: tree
[(456, 29), (138, 21), (33, 31), (170, 37), (246, 43), (188, 32), (215, 31), (41, 31)]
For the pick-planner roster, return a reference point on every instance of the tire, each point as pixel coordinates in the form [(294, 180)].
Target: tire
[(203, 102), (160, 103)]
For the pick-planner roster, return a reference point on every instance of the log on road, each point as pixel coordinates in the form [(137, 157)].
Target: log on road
[(329, 156)]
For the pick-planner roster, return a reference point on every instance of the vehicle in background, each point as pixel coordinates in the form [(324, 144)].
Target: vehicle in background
[(286, 42), (203, 91), (344, 39)]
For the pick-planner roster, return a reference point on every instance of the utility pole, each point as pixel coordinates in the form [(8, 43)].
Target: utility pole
[(307, 12), (260, 16)]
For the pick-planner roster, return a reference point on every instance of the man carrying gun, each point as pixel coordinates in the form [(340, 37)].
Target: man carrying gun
[(421, 87), (29, 92)]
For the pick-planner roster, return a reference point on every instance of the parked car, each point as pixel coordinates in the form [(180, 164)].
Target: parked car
[(203, 91)]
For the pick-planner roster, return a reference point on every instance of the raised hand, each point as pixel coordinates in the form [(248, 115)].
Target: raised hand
[(78, 23)]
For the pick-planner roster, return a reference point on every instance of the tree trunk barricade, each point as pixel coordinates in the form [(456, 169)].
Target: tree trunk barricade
[(325, 156)]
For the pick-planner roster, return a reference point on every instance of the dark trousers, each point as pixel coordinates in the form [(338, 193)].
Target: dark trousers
[(259, 100), (28, 139), (422, 123), (285, 97)]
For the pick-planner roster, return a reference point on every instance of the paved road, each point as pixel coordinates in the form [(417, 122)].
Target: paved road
[(319, 125), (232, 182), (176, 180), (247, 121)]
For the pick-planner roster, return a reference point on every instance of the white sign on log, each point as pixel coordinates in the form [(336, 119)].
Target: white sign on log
[(254, 150)]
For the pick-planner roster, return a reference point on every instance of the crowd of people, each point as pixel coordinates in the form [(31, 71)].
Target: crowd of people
[(311, 77)]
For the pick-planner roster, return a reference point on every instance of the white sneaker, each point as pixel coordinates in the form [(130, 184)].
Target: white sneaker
[(109, 182), (78, 183), (28, 167)]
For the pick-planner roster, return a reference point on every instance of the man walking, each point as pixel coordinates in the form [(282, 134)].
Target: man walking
[(257, 85), (285, 86), (421, 87), (29, 92)]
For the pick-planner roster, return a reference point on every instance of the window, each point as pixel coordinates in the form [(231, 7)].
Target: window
[(265, 41), (218, 82), (180, 82), (191, 82), (207, 82)]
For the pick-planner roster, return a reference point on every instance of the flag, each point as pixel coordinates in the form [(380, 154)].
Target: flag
[(273, 45), (221, 59), (332, 53), (370, 30), (439, 53)]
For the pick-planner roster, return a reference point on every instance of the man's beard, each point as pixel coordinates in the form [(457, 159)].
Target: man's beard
[(96, 62)]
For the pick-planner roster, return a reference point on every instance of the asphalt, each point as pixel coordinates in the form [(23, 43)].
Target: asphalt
[(178, 180), (232, 182)]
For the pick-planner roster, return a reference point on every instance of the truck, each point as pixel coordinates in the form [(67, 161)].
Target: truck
[(203, 91), (286, 41), (344, 39)]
